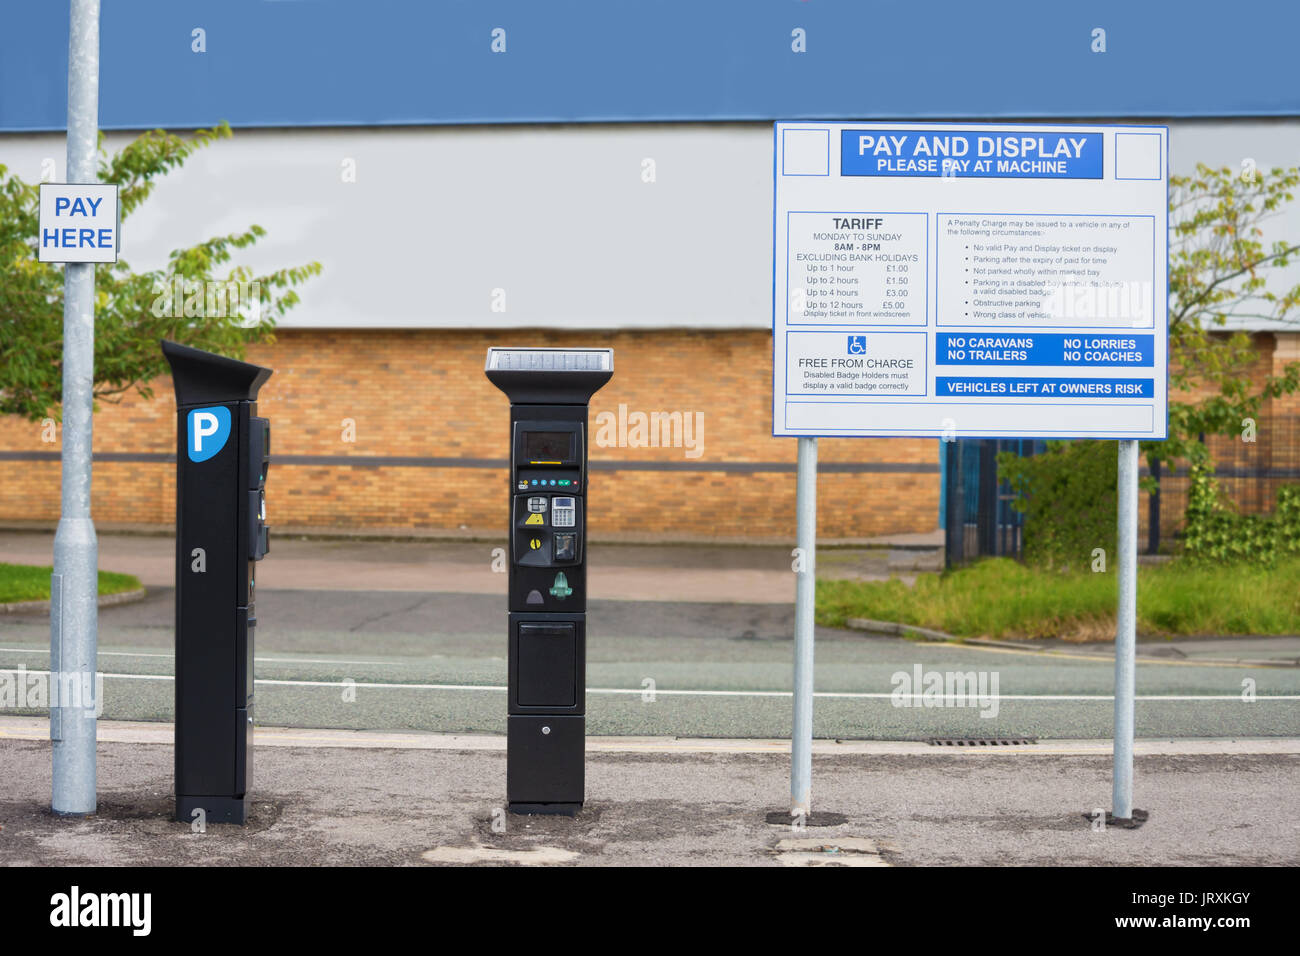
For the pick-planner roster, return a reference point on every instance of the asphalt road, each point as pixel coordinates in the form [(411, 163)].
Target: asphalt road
[(436, 661)]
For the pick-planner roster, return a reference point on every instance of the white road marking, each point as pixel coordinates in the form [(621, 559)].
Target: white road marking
[(171, 656), (316, 660), (637, 691), (46, 651), (162, 732)]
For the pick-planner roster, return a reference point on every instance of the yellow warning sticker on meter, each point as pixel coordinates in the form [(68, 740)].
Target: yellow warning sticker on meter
[(535, 543), (536, 519)]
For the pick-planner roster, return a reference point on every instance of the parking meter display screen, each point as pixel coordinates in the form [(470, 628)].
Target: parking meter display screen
[(548, 446)]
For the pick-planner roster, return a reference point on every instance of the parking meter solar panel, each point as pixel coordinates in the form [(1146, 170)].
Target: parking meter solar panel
[(549, 391), (549, 376), (551, 360)]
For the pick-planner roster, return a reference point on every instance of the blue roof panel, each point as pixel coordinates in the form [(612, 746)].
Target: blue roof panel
[(394, 62)]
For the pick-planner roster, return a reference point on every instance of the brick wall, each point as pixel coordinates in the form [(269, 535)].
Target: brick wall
[(1271, 460), (422, 394)]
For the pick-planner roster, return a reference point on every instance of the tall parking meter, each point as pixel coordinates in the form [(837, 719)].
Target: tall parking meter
[(549, 390), (221, 461)]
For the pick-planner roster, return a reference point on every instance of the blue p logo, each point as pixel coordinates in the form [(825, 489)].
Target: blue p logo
[(208, 430)]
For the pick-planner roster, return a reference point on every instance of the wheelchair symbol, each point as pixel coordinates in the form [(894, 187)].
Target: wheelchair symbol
[(857, 345)]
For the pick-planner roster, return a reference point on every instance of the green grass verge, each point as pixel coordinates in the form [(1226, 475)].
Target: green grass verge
[(22, 582), (999, 598)]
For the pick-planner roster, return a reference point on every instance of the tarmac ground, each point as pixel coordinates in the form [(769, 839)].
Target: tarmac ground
[(423, 799)]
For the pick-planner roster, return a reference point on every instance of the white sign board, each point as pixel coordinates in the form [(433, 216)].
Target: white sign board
[(79, 223), (969, 280)]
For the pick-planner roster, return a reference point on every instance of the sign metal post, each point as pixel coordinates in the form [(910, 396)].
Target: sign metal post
[(1125, 631), (805, 606), (74, 587)]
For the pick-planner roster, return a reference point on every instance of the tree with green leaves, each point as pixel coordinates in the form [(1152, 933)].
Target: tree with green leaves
[(185, 301), (1220, 272)]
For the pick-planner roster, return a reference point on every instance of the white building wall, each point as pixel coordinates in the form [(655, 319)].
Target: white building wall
[(561, 219)]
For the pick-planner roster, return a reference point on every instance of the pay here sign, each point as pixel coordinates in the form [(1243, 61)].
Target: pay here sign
[(79, 222), (968, 280)]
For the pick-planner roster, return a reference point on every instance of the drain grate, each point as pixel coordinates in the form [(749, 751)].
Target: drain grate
[(980, 741)]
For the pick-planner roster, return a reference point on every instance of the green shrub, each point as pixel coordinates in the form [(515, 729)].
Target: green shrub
[(1215, 532), (1068, 497), (999, 598)]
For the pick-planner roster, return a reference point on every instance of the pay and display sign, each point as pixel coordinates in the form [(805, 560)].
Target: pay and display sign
[(963, 280), (79, 223)]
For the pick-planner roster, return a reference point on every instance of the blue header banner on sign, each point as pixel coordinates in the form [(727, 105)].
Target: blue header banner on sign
[(408, 62), (965, 154)]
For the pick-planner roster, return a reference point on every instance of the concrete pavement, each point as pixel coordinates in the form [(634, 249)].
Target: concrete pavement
[(709, 573), (432, 802)]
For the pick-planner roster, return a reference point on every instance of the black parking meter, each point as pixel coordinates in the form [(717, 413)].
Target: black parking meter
[(549, 390), (222, 449)]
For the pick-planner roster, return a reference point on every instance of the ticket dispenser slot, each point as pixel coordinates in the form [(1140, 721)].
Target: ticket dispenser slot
[(549, 391), (222, 457)]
